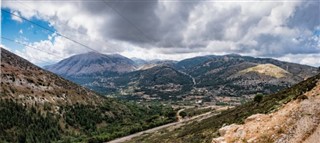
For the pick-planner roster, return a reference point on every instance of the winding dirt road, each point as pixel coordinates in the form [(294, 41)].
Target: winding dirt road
[(177, 124)]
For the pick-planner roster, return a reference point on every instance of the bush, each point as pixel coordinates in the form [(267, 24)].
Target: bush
[(183, 114), (258, 98)]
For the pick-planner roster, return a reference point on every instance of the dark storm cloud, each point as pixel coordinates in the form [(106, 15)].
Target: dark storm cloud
[(132, 21), (140, 22)]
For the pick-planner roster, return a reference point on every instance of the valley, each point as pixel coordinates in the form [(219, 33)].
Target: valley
[(199, 81)]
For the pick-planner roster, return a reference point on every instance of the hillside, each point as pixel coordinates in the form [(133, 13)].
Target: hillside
[(267, 69), (291, 115), (39, 106), (27, 83), (159, 82), (296, 121)]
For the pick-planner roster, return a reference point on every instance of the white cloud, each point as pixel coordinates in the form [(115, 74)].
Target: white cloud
[(306, 59), (16, 17), (21, 31)]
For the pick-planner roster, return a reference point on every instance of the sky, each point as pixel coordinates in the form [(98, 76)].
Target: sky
[(50, 31)]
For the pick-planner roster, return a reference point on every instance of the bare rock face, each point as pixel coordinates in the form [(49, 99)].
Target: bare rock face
[(296, 121)]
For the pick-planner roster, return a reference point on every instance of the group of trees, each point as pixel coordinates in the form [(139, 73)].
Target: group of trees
[(19, 124), (78, 122)]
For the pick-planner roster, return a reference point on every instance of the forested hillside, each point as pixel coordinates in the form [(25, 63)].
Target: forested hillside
[(38, 106)]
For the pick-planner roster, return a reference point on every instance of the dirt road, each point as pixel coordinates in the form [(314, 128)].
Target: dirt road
[(180, 122)]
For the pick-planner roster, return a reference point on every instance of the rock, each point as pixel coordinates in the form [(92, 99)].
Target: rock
[(254, 117), (302, 97), (252, 140), (218, 140), (240, 132), (223, 130)]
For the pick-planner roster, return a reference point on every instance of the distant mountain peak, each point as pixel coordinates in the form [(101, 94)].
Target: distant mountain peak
[(92, 63)]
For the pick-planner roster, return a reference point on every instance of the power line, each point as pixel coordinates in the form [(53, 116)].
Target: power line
[(26, 45), (83, 45)]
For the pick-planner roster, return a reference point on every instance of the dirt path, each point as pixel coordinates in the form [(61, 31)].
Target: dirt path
[(177, 124), (179, 118)]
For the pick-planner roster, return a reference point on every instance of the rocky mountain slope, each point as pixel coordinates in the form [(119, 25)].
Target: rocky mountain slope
[(289, 116), (29, 84), (296, 121), (92, 63), (39, 106)]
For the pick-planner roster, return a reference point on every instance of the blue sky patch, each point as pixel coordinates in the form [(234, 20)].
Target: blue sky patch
[(22, 31)]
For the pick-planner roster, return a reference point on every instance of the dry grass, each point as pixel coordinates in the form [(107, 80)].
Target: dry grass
[(267, 69)]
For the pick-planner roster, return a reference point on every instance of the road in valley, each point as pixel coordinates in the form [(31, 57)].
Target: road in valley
[(176, 124)]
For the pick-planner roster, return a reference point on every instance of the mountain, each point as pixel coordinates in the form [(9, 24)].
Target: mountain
[(235, 75), (289, 116), (230, 79), (39, 106), (146, 64), (155, 63), (138, 61), (92, 63), (192, 62)]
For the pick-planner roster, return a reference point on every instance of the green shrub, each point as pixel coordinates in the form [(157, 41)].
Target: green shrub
[(258, 98), (183, 114)]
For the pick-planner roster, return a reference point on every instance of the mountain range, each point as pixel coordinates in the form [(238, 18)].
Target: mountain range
[(207, 78), (39, 106)]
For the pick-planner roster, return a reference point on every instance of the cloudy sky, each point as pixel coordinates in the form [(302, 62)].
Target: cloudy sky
[(162, 29)]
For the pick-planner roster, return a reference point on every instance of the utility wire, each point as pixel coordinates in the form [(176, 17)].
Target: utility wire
[(46, 62), (26, 45), (83, 45)]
